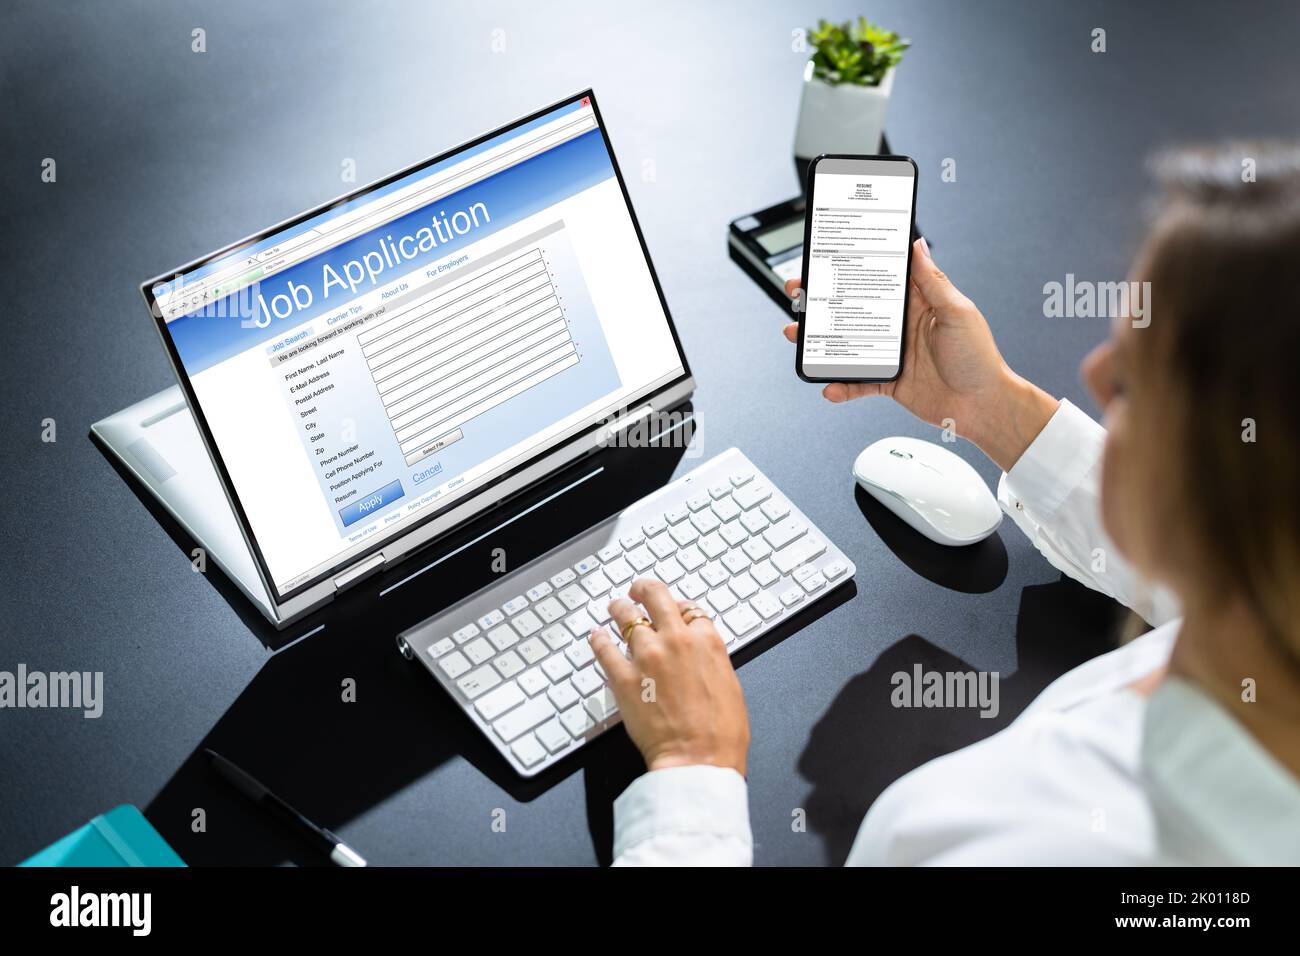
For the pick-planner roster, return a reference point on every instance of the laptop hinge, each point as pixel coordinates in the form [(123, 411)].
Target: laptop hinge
[(359, 571), (624, 422)]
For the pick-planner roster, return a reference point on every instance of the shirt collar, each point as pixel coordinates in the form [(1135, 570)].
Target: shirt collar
[(1219, 796)]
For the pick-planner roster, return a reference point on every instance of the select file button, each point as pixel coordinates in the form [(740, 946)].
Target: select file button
[(371, 503)]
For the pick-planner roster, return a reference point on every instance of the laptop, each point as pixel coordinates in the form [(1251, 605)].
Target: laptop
[(362, 380)]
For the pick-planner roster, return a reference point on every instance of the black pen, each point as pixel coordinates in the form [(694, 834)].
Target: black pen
[(340, 853)]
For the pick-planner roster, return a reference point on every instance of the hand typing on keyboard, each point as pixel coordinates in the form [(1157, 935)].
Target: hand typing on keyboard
[(681, 702)]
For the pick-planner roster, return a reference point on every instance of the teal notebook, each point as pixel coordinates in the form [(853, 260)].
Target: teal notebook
[(121, 837)]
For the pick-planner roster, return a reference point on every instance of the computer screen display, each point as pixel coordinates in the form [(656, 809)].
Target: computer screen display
[(361, 369)]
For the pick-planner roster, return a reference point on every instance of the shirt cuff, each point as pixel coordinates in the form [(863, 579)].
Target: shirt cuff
[(698, 801), (1055, 463)]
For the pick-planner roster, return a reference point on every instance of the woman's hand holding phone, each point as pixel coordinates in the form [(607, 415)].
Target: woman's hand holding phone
[(953, 374)]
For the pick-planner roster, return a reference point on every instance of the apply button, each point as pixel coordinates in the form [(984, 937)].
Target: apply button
[(371, 503)]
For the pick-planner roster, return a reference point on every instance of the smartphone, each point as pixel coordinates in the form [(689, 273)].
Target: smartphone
[(857, 255)]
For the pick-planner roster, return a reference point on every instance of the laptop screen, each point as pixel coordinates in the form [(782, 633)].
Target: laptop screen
[(362, 368)]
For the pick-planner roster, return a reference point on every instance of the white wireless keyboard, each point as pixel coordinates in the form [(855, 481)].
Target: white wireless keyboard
[(515, 655)]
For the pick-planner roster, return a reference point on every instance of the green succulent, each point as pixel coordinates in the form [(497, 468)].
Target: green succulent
[(854, 52)]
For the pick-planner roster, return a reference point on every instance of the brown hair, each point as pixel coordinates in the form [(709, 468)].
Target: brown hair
[(1213, 380)]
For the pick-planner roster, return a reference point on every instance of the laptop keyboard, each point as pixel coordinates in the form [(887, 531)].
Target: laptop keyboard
[(515, 655)]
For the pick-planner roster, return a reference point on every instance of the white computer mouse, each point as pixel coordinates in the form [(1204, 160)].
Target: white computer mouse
[(930, 488)]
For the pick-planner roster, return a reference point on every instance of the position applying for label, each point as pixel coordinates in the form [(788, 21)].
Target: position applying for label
[(857, 268)]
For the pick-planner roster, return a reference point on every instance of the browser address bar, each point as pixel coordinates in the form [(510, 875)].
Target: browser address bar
[(331, 234)]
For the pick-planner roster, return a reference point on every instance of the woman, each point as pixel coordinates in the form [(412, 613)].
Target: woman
[(1182, 746)]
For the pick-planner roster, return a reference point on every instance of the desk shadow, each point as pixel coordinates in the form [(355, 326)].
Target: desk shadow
[(973, 569), (863, 743), (292, 730), (620, 764)]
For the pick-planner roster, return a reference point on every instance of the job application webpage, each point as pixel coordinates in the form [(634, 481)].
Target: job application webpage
[(401, 350), (857, 268)]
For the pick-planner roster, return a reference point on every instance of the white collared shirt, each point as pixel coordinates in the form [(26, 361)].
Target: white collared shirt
[(1092, 772)]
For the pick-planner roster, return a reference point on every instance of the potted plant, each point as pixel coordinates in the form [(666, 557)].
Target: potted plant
[(846, 88)]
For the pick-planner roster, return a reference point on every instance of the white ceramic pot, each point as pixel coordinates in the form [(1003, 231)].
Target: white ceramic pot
[(846, 118)]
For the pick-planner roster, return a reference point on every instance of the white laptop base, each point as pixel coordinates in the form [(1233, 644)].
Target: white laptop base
[(515, 655), (158, 442)]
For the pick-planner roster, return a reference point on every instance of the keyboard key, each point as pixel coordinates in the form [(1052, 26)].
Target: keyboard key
[(599, 610), (741, 620), (756, 548), (742, 477), (814, 583), (734, 534), (479, 651), (557, 637), (654, 527), (553, 735), (834, 570), (528, 750), (713, 546), (609, 552), (754, 521), (549, 610), (706, 522), (587, 565), (444, 646), (580, 655), (767, 606), (573, 597), (557, 667), (619, 571), (735, 561), (532, 650), (662, 546), (491, 619), (764, 573), (478, 681), (577, 721), (813, 547), (527, 624), (631, 540), (783, 532), (752, 495), (493, 705), (804, 573), (586, 681), (698, 502), (641, 559), (596, 584), (743, 586), (563, 578), (720, 490), (580, 624), (677, 515), (774, 509), (509, 664), (539, 592), (454, 664), (601, 705), (533, 681), (563, 696), (722, 599), (669, 571), (524, 718), (515, 605), (726, 509), (465, 633), (692, 558), (684, 534), (714, 574), (691, 587), (791, 596), (503, 637)]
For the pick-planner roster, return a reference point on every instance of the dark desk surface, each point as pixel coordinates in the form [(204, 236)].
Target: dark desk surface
[(164, 154)]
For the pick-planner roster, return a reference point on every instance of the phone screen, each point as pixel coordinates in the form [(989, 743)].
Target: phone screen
[(860, 215)]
